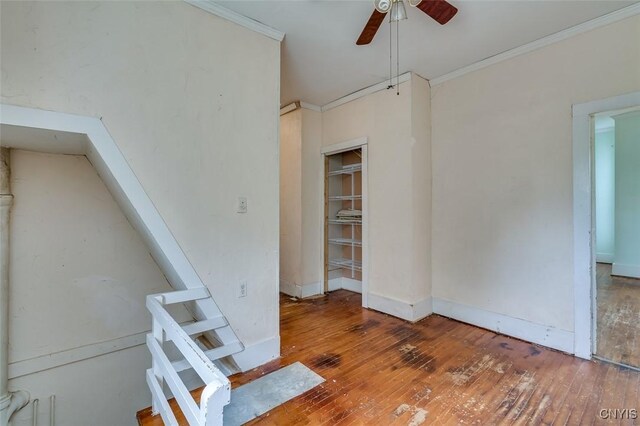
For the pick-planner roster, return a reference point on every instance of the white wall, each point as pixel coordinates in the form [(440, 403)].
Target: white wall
[(79, 276), (627, 195), (605, 187), (502, 174), (399, 200), (182, 94)]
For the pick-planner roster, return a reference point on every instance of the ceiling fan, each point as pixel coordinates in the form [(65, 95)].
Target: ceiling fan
[(439, 10)]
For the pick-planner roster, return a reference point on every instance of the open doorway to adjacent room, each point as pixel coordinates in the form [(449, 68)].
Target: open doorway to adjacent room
[(616, 199)]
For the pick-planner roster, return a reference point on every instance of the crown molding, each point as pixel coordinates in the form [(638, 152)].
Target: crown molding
[(601, 21), (228, 14), (312, 107), (289, 108), (297, 105), (364, 92)]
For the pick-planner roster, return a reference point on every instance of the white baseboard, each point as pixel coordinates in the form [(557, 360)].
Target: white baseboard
[(290, 289), (345, 283), (398, 308), (604, 257), (352, 285), (301, 291), (311, 289), (631, 271), (335, 284), (258, 354), (551, 337)]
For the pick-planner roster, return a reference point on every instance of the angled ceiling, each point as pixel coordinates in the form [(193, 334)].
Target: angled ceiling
[(321, 62)]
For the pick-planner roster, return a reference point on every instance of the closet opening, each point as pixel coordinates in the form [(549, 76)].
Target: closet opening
[(345, 221)]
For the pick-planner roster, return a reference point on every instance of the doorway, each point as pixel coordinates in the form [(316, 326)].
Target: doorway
[(584, 218), (616, 208), (345, 216)]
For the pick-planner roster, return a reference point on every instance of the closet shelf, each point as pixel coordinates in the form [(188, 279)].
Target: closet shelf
[(345, 197), (346, 170), (344, 222), (346, 263), (345, 242)]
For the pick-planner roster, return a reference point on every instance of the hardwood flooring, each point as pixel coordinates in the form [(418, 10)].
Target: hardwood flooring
[(382, 370), (618, 326)]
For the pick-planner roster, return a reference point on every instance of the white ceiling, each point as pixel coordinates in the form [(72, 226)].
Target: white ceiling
[(321, 62)]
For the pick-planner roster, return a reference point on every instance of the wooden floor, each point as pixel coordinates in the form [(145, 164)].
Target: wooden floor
[(382, 370), (618, 325)]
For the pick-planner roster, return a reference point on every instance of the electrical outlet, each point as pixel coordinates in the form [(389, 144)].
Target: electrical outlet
[(242, 289), (242, 204)]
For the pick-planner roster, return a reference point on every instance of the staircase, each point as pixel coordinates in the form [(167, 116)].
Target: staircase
[(194, 355), (80, 135)]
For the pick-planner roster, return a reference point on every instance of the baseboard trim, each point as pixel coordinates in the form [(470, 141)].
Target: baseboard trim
[(344, 283), (311, 289), (401, 309), (258, 354), (290, 289), (352, 285), (604, 257), (551, 337), (631, 271), (301, 291), (334, 284)]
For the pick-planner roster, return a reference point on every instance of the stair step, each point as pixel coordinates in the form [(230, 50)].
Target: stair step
[(212, 354), (183, 296), (206, 325)]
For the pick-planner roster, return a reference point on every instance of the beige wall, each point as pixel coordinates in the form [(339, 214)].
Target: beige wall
[(192, 102), (421, 187), (502, 172), (291, 199), (79, 276), (312, 190), (75, 259), (175, 93), (301, 186), (398, 166)]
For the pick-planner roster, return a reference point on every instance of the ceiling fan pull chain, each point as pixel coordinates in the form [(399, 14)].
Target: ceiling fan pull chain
[(398, 57), (390, 55)]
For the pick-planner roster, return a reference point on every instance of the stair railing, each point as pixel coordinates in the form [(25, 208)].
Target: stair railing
[(217, 391)]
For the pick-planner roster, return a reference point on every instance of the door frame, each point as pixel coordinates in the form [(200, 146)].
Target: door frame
[(584, 256), (337, 148)]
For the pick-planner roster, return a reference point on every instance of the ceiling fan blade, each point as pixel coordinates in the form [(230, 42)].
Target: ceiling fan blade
[(371, 28), (439, 10)]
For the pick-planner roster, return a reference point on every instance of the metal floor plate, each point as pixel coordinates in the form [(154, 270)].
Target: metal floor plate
[(261, 395)]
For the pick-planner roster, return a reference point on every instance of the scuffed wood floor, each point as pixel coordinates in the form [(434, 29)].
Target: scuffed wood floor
[(618, 324), (382, 370)]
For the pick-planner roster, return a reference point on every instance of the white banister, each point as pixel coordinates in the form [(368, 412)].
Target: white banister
[(182, 296), (217, 391)]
